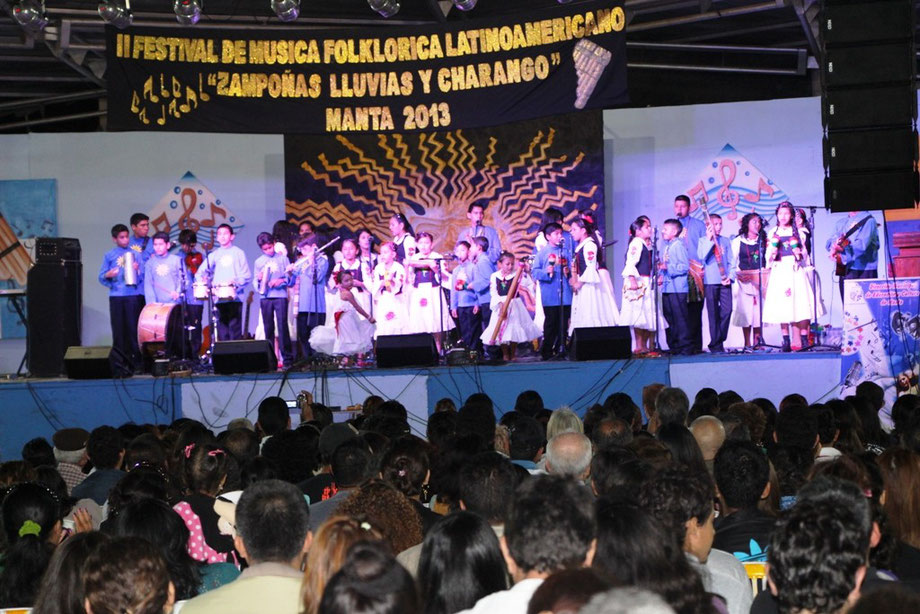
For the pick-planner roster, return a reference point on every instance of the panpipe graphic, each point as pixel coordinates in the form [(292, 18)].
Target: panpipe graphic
[(590, 61), (431, 178), (14, 259)]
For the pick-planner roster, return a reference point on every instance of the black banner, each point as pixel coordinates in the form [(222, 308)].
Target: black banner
[(421, 78)]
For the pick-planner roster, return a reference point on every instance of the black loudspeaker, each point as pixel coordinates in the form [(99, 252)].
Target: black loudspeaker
[(854, 108), (244, 357), (851, 151), (95, 362), (870, 191), (601, 343), (416, 350), (848, 22), (54, 299), (869, 64)]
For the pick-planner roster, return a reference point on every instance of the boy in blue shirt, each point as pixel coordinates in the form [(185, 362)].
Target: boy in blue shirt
[(229, 275), (551, 263), (717, 282), (163, 284), (125, 301), (464, 301), (312, 269), (673, 268), (272, 280), (482, 273)]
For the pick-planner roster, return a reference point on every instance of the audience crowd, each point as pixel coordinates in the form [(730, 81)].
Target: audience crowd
[(715, 506)]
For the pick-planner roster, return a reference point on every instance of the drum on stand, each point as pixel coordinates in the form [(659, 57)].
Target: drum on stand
[(224, 291), (160, 323), (200, 290)]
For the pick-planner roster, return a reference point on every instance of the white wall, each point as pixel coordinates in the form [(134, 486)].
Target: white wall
[(105, 177)]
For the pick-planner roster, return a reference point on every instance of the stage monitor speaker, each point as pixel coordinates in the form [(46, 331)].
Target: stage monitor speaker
[(256, 356), (851, 109), (95, 362), (854, 23), (417, 350), (601, 343), (54, 302), (870, 150), (872, 191)]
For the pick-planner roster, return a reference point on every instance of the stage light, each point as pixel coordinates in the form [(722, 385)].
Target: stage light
[(386, 8), (30, 14), (188, 12), (115, 13), (464, 5), (286, 10)]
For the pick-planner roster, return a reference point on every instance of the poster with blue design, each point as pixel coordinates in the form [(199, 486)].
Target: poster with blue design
[(190, 205), (881, 333), (732, 186), (28, 210)]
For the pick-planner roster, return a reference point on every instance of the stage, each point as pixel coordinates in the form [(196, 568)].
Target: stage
[(38, 407)]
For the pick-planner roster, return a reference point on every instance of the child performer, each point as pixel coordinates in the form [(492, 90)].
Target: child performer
[(789, 295), (517, 326), (428, 311), (638, 307), (389, 278), (748, 250), (592, 304), (403, 238), (366, 254), (718, 274), (551, 270), (674, 267), (464, 301), (140, 241), (352, 331), (482, 273), (311, 270), (360, 270), (125, 301), (272, 280), (228, 272), (163, 284)]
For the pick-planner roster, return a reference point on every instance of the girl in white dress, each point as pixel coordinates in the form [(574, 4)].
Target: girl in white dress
[(428, 310), (351, 331), (592, 303), (360, 270), (518, 327), (748, 250), (789, 295), (638, 306), (389, 279), (403, 238)]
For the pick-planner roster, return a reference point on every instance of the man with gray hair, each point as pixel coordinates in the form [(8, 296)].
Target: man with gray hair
[(672, 406), (569, 454), (627, 600), (70, 454), (273, 534)]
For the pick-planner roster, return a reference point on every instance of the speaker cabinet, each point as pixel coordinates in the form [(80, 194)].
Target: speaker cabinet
[(601, 343), (54, 299), (417, 350), (95, 362), (871, 191), (256, 356)]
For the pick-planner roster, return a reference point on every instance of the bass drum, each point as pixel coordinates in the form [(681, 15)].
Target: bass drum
[(160, 323)]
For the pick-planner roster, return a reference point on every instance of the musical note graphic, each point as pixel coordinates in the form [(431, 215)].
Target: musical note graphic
[(762, 186)]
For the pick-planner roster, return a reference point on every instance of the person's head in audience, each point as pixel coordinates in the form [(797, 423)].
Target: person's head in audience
[(563, 420), (370, 581), (394, 409), (649, 398), (636, 549), (31, 517), (387, 510), (817, 558), (258, 469), (273, 524), (14, 472), (351, 463), (752, 417), (127, 574), (371, 403), (569, 454), (551, 526), (387, 425), (901, 473), (486, 486), (792, 465), (145, 449), (242, 443), (742, 473), (827, 426), (869, 425), (38, 452), (143, 482), (406, 465), (461, 562), (792, 399), (905, 414), (727, 398), (567, 591), (70, 446), (61, 588), (627, 600), (708, 400), (594, 415), (735, 428), (892, 599), (316, 414), (327, 553), (274, 416), (478, 419), (529, 403), (157, 523), (441, 426), (295, 454), (684, 449), (50, 478), (710, 435), (105, 447), (624, 408), (193, 434), (873, 393), (445, 404), (682, 501), (797, 426), (241, 423), (526, 439), (672, 407), (768, 409), (652, 452), (611, 432), (205, 469), (617, 471), (849, 429)]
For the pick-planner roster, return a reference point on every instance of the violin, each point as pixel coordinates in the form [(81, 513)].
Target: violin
[(193, 260)]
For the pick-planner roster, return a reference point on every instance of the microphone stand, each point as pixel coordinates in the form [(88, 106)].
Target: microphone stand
[(183, 311), (212, 309)]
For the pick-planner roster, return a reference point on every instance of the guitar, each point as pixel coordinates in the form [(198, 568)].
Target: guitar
[(841, 243), (246, 333)]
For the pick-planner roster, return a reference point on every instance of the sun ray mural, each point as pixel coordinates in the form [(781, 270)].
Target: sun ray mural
[(520, 170)]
